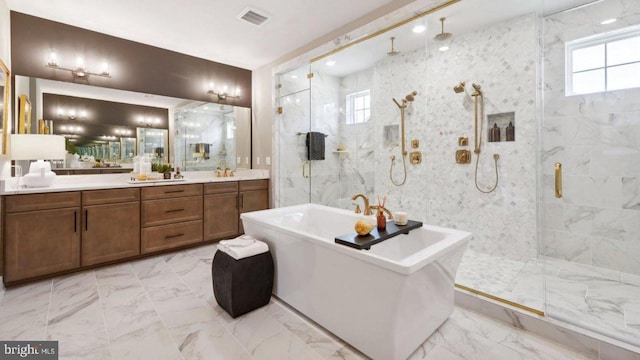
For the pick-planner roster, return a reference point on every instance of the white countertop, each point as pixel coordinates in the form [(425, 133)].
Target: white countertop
[(112, 181)]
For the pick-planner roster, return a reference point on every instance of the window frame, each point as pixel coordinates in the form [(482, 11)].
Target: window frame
[(590, 41), (350, 99)]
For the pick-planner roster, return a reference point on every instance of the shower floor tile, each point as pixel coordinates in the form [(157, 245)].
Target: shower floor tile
[(598, 299)]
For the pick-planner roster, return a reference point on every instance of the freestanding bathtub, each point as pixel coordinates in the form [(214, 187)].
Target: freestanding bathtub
[(385, 301)]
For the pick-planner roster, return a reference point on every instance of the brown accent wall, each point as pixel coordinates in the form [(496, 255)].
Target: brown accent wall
[(133, 66)]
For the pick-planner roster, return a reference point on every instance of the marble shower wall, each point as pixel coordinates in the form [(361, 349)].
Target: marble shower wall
[(357, 166), (395, 77), (502, 59), (596, 137), (325, 116)]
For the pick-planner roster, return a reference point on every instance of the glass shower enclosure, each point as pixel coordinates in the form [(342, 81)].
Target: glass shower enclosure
[(568, 249)]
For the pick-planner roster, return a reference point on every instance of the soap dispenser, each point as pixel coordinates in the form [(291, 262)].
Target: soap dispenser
[(494, 133), (511, 132)]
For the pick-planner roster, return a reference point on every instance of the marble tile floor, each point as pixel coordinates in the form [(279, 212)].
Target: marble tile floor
[(600, 300), (163, 308)]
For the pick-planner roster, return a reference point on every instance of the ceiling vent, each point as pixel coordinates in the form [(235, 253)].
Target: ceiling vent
[(253, 16)]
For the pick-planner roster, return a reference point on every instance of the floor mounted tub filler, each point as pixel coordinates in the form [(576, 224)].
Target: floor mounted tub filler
[(385, 301)]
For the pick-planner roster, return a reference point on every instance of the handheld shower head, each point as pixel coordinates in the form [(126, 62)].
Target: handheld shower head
[(411, 96), (478, 91), (459, 88)]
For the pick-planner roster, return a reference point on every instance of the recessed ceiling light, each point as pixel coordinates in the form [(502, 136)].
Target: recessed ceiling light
[(294, 76), (419, 28), (608, 21), (443, 48), (330, 63)]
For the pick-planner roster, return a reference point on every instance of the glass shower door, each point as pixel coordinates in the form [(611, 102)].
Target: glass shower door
[(292, 125), (590, 169)]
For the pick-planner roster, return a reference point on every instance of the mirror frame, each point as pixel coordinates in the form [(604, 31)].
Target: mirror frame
[(24, 123), (5, 108)]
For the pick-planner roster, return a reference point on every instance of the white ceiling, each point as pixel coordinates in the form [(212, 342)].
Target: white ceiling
[(208, 29)]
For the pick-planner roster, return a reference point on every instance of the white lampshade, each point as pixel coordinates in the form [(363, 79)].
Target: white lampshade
[(37, 147)]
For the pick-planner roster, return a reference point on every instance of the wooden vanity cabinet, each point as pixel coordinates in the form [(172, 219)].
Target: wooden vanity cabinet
[(221, 210), (171, 216), (253, 196), (41, 234), (110, 225)]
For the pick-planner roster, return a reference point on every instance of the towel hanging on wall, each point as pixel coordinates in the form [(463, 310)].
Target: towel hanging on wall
[(315, 145)]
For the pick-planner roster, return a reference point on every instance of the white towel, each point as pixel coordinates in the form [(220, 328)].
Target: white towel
[(242, 247)]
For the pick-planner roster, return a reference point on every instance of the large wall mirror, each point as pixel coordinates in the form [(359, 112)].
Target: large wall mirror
[(5, 93), (111, 127)]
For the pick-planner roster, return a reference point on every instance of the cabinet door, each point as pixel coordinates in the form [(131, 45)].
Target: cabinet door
[(110, 232), (220, 216), (252, 201), (41, 242)]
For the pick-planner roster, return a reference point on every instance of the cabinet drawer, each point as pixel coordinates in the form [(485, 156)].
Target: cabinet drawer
[(160, 212), (221, 187), (30, 202), (163, 192), (254, 185), (95, 197), (171, 236)]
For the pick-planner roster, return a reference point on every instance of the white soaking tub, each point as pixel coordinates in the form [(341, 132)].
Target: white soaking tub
[(385, 301)]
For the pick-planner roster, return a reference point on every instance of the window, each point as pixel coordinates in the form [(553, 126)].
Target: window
[(358, 107), (604, 63)]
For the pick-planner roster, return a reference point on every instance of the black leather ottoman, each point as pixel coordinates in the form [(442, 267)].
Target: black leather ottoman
[(244, 285)]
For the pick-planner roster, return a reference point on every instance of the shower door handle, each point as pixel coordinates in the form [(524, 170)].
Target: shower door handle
[(558, 176), (305, 167)]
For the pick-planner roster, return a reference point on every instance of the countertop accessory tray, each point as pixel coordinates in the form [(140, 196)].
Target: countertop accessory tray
[(154, 181), (364, 242)]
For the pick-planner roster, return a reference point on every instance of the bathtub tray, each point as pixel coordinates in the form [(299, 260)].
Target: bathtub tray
[(364, 242)]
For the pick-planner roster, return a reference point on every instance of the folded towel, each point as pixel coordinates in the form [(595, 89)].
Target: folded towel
[(315, 145), (242, 247), (241, 241)]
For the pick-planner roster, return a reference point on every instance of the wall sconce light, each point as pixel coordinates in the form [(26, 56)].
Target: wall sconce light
[(223, 93), (80, 71), (122, 132), (71, 114), (148, 121), (71, 130)]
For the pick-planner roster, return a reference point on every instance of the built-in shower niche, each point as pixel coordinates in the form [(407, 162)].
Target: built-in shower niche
[(391, 135), (505, 123)]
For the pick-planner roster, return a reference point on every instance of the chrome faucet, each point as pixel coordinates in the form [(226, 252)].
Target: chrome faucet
[(367, 208)]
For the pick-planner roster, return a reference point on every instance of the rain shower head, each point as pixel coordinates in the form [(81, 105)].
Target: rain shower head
[(443, 35), (393, 50), (459, 88)]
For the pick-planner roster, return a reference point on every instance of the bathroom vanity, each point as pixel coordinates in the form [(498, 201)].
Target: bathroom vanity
[(85, 221)]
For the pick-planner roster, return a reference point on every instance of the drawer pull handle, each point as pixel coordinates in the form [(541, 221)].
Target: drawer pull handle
[(86, 220), (174, 191), (75, 221), (175, 210), (173, 236)]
